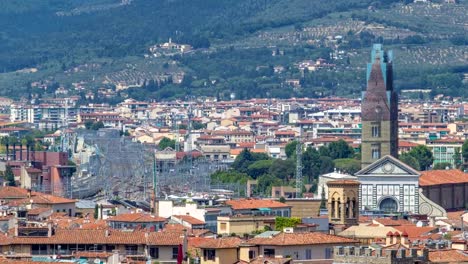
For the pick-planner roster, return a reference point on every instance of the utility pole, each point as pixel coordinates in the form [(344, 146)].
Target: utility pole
[(299, 166)]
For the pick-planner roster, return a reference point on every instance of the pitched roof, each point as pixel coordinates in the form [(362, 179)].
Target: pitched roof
[(42, 198), (448, 256), (289, 239), (136, 218), (391, 222), (189, 219), (437, 177), (39, 210), (108, 236), (264, 260), (164, 238), (228, 242), (415, 232), (10, 192), (243, 204)]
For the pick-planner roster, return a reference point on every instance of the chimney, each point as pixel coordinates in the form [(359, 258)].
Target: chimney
[(49, 231), (396, 237), (29, 193), (404, 238), (389, 238), (21, 151), (27, 152), (107, 233)]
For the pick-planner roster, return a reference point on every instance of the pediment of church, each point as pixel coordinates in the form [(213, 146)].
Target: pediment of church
[(387, 165)]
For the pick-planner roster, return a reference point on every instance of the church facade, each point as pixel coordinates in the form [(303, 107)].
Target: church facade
[(389, 185)]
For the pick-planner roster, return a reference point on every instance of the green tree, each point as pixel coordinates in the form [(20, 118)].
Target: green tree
[(290, 149), (247, 158), (198, 125), (442, 165), (311, 164), (348, 165), (259, 168), (283, 222), (340, 150), (409, 160), (457, 158), (9, 176), (283, 169), (96, 211), (326, 165), (265, 182), (423, 155), (97, 125), (230, 176), (465, 151), (166, 143), (88, 124)]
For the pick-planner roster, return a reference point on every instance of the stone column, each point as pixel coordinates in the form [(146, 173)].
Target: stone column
[(343, 211)]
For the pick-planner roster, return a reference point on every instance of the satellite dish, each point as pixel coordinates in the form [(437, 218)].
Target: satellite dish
[(97, 261)]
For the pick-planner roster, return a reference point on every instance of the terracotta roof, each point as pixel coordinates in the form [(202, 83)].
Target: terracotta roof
[(88, 236), (254, 204), (228, 242), (91, 254), (455, 215), (344, 182), (264, 260), (391, 222), (136, 218), (290, 239), (39, 210), (246, 144), (189, 219), (165, 238), (448, 256), (415, 232), (437, 177), (10, 192), (42, 198), (406, 144)]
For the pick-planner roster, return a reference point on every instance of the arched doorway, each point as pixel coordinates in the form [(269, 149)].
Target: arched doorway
[(388, 205)]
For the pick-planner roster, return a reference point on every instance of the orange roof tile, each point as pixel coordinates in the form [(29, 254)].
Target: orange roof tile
[(39, 210), (10, 192), (448, 256), (136, 218), (415, 232), (255, 204), (437, 177), (88, 236), (189, 219), (406, 144), (228, 242), (290, 239), (42, 198), (391, 222)]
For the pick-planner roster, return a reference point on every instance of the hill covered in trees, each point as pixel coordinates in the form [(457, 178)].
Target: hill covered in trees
[(234, 43)]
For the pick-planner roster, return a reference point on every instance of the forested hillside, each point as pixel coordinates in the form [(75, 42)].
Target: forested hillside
[(236, 38)]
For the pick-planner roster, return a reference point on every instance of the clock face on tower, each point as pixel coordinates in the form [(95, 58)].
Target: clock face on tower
[(378, 109), (388, 167)]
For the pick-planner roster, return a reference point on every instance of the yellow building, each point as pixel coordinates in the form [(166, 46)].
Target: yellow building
[(220, 251), (244, 224)]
